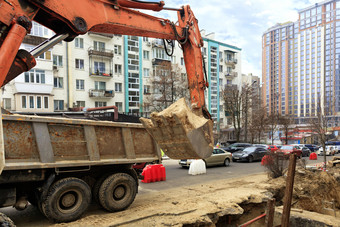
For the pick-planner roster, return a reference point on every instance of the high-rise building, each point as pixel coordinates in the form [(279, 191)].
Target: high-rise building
[(98, 70), (301, 63)]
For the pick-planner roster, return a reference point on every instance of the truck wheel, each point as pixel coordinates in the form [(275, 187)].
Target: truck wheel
[(67, 199), (96, 187), (6, 221), (117, 192)]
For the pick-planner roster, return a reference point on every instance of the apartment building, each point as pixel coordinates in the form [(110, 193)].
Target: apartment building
[(98, 70), (301, 62)]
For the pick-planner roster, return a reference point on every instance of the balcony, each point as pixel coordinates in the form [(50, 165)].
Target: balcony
[(102, 74), (101, 52), (34, 40), (101, 35), (230, 74), (93, 93), (231, 61)]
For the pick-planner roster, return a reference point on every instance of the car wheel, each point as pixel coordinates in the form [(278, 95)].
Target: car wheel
[(250, 159), (227, 162)]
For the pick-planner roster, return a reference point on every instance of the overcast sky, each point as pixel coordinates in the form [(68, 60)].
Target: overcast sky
[(242, 23)]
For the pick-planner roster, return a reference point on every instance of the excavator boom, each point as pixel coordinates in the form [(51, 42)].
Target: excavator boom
[(180, 133)]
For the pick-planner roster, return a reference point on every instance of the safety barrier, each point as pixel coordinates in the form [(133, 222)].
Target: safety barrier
[(313, 156), (153, 173)]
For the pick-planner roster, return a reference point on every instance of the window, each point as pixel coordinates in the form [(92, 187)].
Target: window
[(145, 39), (146, 72), (118, 87), (46, 102), (7, 103), (79, 63), (31, 102), (80, 85), (146, 54), (58, 82), (80, 103), (99, 104), (100, 46), (38, 30), (39, 102), (221, 68), (118, 49), (118, 69), (58, 60), (58, 104), (147, 89), (99, 67), (45, 56), (99, 85), (79, 42), (23, 102), (35, 76), (182, 61), (120, 106)]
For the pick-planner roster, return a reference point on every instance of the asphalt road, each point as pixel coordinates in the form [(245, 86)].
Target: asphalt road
[(177, 176)]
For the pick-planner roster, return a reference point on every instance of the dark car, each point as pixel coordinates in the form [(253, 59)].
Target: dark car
[(249, 154), (312, 147), (236, 147), (305, 151)]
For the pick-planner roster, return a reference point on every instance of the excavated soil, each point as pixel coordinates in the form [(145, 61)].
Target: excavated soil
[(315, 191)]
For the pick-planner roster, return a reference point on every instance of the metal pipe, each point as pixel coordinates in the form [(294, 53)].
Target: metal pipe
[(253, 220), (115, 115), (47, 44)]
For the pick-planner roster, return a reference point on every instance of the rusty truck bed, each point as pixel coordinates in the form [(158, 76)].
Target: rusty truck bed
[(33, 142)]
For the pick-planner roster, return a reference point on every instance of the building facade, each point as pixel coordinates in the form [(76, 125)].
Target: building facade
[(98, 70), (301, 62)]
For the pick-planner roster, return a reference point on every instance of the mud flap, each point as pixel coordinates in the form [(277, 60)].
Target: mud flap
[(180, 133)]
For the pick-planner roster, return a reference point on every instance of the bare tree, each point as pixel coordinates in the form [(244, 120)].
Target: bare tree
[(319, 124), (257, 124), (286, 122), (165, 86), (273, 124), (233, 106), (247, 96)]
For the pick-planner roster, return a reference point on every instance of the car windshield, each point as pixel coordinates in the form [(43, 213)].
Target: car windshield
[(249, 149), (287, 147)]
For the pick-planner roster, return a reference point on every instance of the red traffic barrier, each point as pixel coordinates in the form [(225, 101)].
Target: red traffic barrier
[(313, 156), (153, 173)]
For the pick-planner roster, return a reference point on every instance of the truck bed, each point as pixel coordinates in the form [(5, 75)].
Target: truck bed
[(35, 142)]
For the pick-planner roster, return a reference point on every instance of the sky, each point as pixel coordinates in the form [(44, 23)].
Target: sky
[(241, 23)]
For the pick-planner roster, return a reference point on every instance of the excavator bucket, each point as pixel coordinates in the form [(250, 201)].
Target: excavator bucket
[(180, 133)]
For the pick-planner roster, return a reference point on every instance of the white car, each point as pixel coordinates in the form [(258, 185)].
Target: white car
[(330, 150)]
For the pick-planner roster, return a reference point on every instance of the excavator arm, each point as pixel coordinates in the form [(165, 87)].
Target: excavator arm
[(70, 18)]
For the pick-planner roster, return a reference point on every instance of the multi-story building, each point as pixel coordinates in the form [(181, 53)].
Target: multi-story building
[(301, 62), (98, 70)]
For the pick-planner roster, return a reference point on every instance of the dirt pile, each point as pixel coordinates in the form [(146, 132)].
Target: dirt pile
[(315, 191)]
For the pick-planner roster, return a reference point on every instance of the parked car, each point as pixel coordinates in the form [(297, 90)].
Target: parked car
[(312, 147), (288, 149), (265, 146), (273, 148), (249, 154), (218, 157), (236, 147), (305, 151), (330, 150)]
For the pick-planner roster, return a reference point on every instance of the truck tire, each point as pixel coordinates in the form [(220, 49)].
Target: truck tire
[(6, 221), (67, 199), (117, 192), (96, 187)]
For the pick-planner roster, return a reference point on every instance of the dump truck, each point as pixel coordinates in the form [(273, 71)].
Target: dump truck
[(59, 164)]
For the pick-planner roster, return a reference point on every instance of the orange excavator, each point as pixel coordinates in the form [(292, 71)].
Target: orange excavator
[(181, 132)]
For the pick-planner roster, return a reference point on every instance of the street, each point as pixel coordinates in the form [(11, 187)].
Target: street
[(177, 177)]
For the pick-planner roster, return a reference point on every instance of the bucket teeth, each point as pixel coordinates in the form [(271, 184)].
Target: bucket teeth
[(180, 133)]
